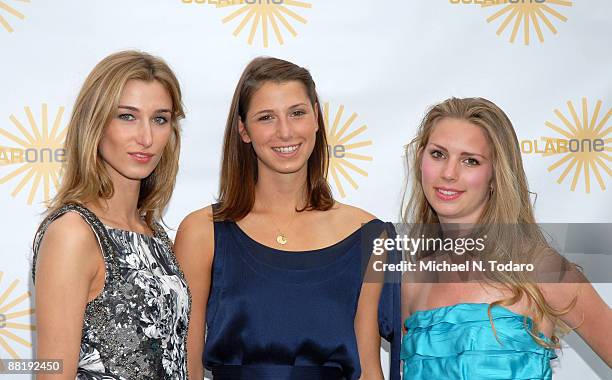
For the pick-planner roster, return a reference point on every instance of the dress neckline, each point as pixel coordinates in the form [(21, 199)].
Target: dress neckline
[(350, 237), (468, 304), (154, 235), (477, 305)]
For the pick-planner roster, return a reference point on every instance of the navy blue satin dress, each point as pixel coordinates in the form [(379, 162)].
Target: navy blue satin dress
[(275, 314)]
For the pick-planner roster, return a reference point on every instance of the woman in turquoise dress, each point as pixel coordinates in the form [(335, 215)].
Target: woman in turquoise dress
[(471, 318)]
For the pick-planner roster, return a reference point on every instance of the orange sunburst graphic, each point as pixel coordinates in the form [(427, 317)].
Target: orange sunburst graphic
[(11, 308), (528, 14), (583, 133), (10, 13), (266, 13), (337, 136), (35, 153)]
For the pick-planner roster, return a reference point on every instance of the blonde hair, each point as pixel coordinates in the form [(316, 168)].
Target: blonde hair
[(85, 177), (508, 218)]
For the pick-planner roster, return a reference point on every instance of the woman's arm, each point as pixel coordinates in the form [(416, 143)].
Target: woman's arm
[(366, 317), (591, 316), (366, 330), (69, 273), (194, 249)]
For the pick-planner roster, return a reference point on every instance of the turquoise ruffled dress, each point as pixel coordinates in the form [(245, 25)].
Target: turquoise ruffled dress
[(457, 342)]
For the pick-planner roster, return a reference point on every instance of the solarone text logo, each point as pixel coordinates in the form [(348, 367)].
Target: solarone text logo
[(272, 17), (581, 145), (343, 139), (523, 16), (33, 155), (9, 13)]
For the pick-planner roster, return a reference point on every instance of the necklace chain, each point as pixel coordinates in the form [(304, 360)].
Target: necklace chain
[(281, 238)]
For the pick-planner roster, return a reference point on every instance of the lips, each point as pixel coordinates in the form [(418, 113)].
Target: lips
[(141, 157), (447, 194), (287, 150)]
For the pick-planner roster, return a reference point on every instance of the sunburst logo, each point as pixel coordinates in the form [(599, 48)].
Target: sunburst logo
[(265, 14), (525, 15), (11, 13), (13, 309), (38, 155), (342, 140), (584, 145)]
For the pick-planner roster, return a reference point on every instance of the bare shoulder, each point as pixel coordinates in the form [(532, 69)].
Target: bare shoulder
[(69, 231), (198, 223), (351, 214), (69, 244), (195, 240)]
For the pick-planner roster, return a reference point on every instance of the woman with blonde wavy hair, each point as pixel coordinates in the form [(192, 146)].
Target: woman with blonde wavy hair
[(471, 319), (111, 301)]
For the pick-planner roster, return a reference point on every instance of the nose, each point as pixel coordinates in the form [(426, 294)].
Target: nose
[(449, 170), (284, 130), (144, 136)]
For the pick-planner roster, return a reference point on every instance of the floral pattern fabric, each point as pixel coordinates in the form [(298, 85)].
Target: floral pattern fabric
[(136, 328)]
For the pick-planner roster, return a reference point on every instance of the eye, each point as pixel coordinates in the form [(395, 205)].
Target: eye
[(160, 120), (265, 117), (298, 113), (471, 162), (436, 154), (126, 117)]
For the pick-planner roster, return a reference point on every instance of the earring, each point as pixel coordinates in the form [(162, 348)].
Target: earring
[(491, 189)]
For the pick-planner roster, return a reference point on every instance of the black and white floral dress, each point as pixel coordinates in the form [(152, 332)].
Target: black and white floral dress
[(136, 328)]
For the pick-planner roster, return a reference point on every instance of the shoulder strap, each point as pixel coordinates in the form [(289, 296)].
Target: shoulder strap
[(89, 217), (160, 233)]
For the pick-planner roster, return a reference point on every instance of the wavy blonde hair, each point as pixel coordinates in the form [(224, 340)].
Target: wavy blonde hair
[(85, 178), (508, 218)]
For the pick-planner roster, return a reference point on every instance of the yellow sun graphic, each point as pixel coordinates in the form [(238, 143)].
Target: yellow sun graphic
[(580, 136), (527, 14), (266, 13), (340, 144), (4, 7), (39, 155), (11, 308)]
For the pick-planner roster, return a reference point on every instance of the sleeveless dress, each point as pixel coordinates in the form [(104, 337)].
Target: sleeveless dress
[(136, 328), (279, 315), (457, 342)]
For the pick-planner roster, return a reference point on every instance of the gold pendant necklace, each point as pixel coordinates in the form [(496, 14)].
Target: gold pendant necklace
[(281, 239)]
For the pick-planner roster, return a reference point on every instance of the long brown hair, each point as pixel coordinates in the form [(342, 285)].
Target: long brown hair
[(239, 161), (508, 218), (85, 177)]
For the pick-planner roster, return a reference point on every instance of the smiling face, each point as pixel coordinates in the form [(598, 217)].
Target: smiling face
[(134, 140), (456, 171), (281, 124)]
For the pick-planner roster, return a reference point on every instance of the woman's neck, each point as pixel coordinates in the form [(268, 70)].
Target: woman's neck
[(282, 192), (121, 209)]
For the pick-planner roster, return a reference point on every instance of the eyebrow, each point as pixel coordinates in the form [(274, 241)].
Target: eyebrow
[(270, 110), (162, 110), (462, 153)]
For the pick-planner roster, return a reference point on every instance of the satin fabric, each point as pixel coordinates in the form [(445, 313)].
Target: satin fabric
[(272, 312), (457, 342)]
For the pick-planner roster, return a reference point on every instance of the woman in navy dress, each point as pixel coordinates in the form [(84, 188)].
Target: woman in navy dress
[(275, 267)]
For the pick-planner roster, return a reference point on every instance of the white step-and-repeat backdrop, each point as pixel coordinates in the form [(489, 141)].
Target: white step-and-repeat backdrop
[(378, 66)]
